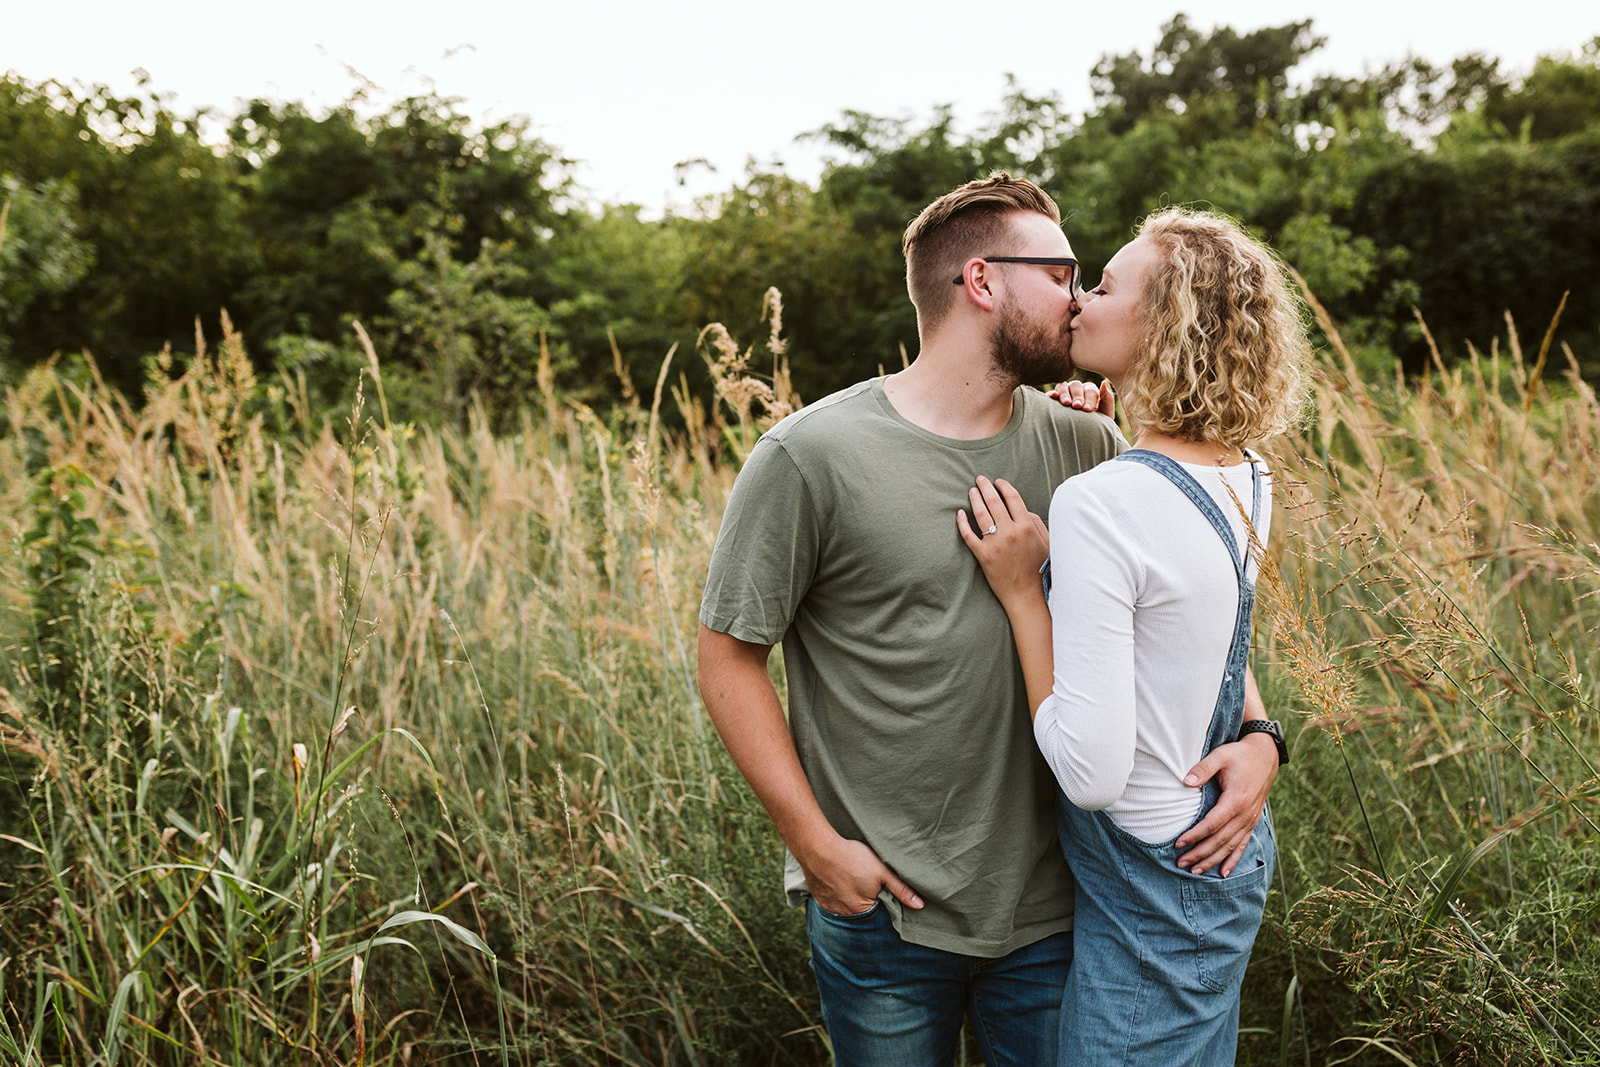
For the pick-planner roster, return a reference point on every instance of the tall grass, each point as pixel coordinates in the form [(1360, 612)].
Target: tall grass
[(1436, 617), (361, 742), (368, 742)]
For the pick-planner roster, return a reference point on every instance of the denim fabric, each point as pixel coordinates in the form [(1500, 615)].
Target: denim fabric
[(889, 1003), (1159, 953)]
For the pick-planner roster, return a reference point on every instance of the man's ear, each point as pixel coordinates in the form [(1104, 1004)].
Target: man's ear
[(975, 279)]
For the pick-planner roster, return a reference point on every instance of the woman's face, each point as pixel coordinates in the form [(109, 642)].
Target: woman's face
[(1106, 331)]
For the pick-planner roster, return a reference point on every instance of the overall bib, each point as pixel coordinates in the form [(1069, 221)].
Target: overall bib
[(1159, 953)]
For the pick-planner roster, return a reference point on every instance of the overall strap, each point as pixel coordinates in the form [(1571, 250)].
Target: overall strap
[(1178, 476), (1229, 709)]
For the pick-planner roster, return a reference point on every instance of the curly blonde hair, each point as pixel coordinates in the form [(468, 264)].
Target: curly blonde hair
[(1225, 352)]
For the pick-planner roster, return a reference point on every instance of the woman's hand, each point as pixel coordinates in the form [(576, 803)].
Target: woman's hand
[(1246, 770), (1086, 396), (1013, 544), (1014, 541)]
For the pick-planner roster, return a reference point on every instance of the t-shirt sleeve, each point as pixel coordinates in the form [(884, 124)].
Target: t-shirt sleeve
[(766, 550), (1087, 727), (1110, 440)]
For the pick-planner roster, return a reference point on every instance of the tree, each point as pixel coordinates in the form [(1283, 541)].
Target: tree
[(41, 254), (614, 277), (1250, 70), (461, 333), (153, 210), (770, 231), (1561, 97), (337, 204), (1490, 227)]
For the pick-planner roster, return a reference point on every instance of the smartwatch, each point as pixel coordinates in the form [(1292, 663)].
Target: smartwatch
[(1271, 729)]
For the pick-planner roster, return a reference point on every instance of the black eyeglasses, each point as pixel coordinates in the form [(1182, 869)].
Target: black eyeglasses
[(1039, 261)]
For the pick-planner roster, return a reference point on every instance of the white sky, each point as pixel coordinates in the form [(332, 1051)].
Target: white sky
[(632, 87)]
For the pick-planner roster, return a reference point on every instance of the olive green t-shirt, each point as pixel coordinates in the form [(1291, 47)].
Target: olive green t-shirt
[(906, 702)]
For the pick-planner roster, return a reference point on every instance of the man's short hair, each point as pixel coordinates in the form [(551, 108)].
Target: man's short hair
[(973, 220), (1225, 354)]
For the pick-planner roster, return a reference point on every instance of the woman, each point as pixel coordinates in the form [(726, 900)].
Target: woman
[(1136, 665)]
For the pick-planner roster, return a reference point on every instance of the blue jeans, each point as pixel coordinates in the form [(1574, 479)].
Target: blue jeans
[(889, 1003)]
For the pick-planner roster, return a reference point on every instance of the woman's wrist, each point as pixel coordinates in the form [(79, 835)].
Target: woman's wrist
[(1022, 595), (1025, 606)]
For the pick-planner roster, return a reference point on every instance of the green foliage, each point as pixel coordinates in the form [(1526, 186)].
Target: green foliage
[(154, 214), (63, 541), (1431, 607), (62, 535), (1186, 68), (464, 252), (819, 250), (41, 255), (338, 204), (1489, 228), (326, 786), (464, 333), (619, 284), (1561, 97), (384, 746)]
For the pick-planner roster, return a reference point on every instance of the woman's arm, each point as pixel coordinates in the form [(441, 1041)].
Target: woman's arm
[(1088, 731), (1078, 665), (1011, 557)]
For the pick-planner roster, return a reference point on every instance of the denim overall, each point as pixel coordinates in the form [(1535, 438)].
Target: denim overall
[(1159, 953)]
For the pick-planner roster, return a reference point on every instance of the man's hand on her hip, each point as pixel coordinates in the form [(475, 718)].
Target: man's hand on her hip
[(848, 876)]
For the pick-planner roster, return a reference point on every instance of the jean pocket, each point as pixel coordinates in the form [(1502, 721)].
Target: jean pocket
[(855, 917), (1224, 915)]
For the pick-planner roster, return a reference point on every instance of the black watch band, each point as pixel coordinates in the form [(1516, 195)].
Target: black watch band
[(1271, 729)]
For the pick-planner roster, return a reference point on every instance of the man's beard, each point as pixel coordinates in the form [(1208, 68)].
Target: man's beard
[(1029, 352)]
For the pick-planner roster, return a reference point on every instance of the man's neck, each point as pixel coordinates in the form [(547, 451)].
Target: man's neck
[(951, 394)]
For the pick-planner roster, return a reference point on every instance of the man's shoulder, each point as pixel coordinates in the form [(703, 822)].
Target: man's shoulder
[(825, 421), (831, 406), (1085, 427)]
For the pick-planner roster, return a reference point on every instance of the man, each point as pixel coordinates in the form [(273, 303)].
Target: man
[(917, 812)]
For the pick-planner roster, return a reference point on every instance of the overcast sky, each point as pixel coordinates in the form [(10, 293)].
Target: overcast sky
[(632, 88)]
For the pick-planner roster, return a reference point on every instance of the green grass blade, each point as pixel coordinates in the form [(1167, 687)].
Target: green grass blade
[(461, 933), (1447, 888), (1286, 1033), (119, 1008)]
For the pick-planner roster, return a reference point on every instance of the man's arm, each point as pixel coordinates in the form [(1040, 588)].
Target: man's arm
[(1246, 770), (844, 876)]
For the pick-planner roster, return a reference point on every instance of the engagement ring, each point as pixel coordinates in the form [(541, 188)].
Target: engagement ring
[(990, 530)]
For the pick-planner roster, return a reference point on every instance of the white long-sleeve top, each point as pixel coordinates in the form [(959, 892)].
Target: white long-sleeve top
[(1143, 602)]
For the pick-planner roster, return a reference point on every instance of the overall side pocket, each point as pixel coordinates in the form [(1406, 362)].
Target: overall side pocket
[(1224, 915)]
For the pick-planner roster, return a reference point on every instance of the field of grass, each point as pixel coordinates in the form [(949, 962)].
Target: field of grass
[(372, 743)]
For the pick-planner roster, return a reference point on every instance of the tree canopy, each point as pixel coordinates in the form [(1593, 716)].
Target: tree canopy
[(1464, 192)]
